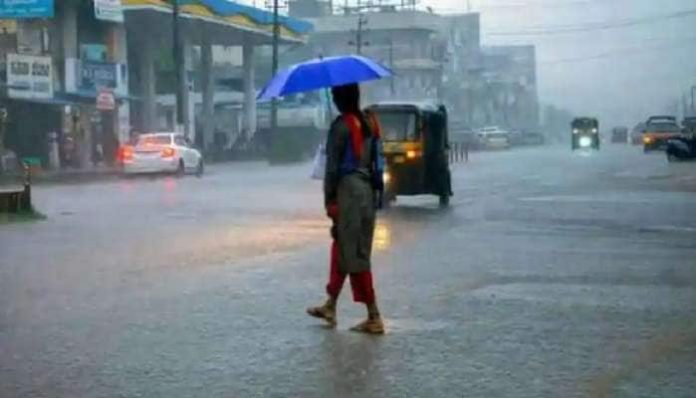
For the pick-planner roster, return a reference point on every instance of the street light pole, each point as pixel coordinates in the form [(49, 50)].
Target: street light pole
[(693, 100), (178, 65), (276, 40)]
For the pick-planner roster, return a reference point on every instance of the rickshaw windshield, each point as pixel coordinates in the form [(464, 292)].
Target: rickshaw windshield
[(398, 126), (585, 124)]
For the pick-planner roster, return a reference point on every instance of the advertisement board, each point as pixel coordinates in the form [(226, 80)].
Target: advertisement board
[(96, 75), (18, 9), (29, 76), (108, 10)]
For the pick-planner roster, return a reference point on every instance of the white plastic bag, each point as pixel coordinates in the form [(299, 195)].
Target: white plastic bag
[(319, 163)]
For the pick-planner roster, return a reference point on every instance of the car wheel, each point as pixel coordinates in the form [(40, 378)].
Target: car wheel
[(181, 170), (200, 169)]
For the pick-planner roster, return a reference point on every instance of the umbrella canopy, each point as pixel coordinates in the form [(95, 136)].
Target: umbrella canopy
[(323, 73)]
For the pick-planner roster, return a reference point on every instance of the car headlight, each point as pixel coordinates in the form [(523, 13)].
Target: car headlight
[(585, 142)]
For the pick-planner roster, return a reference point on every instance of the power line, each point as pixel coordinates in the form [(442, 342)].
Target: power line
[(636, 50), (562, 29)]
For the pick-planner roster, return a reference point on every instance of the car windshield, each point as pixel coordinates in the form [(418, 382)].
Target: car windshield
[(398, 126), (663, 127), (154, 140)]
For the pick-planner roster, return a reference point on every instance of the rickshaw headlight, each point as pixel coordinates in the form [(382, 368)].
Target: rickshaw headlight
[(576, 131), (411, 154), (585, 141), (595, 131)]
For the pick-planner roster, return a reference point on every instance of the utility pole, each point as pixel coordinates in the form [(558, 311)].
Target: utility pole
[(276, 40), (179, 66), (693, 100), (359, 43)]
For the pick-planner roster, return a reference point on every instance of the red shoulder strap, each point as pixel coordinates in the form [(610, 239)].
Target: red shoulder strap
[(356, 136)]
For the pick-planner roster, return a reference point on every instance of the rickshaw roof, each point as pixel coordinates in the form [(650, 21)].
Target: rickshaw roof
[(422, 106), (583, 120)]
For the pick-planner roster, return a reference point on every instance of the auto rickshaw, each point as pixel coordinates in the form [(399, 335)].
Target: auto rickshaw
[(585, 133), (416, 145)]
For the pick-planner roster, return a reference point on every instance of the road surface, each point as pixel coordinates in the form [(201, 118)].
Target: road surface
[(552, 275)]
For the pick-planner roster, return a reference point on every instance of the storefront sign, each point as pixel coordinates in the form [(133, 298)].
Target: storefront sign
[(29, 76), (96, 75), (106, 100), (108, 10), (16, 9)]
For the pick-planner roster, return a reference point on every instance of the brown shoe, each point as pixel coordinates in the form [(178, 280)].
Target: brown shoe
[(369, 326), (324, 312)]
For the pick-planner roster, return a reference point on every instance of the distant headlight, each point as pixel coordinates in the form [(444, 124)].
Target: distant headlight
[(386, 177), (576, 131)]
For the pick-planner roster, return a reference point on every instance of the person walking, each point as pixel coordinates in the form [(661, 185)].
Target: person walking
[(352, 194)]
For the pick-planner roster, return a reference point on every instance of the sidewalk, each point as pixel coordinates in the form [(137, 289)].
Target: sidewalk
[(68, 176)]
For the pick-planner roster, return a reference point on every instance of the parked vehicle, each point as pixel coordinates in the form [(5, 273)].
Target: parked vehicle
[(681, 148), (493, 137), (416, 145), (619, 135), (161, 153), (684, 147), (584, 133), (658, 130)]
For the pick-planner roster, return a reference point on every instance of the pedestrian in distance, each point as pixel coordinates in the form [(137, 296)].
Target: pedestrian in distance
[(352, 193)]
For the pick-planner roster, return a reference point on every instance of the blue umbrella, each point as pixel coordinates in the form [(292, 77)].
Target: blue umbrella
[(323, 73)]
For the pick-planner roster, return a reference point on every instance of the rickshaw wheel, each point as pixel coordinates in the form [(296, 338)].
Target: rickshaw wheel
[(444, 200)]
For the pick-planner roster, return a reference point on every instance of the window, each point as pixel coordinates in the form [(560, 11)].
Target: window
[(155, 140), (398, 126)]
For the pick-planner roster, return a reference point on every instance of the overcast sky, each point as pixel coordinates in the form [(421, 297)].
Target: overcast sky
[(635, 71)]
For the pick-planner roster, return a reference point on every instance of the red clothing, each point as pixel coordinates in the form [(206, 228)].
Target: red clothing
[(361, 284)]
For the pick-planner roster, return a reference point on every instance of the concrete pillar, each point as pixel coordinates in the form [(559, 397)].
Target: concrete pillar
[(68, 25), (249, 92), (118, 54), (208, 78), (187, 86), (146, 79)]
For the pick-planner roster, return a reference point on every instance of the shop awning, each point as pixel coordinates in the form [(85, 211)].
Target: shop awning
[(230, 14)]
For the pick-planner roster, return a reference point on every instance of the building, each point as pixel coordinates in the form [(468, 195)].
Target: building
[(65, 80), (431, 54), (218, 41), (508, 90)]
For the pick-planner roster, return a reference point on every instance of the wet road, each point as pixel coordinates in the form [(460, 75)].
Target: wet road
[(552, 275)]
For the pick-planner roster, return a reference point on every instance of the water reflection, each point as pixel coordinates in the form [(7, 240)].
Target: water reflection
[(383, 236)]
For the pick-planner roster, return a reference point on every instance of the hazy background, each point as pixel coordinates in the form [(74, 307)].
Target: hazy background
[(621, 74)]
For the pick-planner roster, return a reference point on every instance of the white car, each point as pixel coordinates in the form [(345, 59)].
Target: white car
[(493, 138), (162, 153)]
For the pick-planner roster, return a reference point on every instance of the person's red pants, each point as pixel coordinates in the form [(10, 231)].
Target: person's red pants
[(361, 284)]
